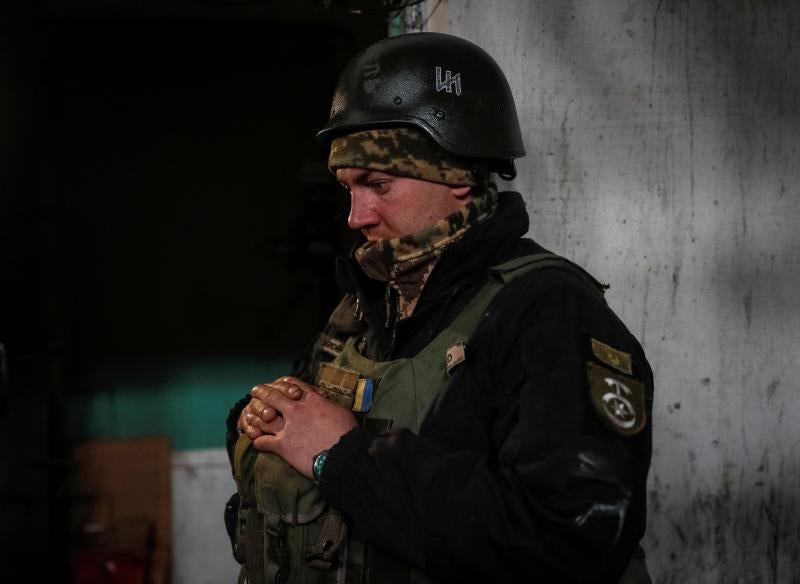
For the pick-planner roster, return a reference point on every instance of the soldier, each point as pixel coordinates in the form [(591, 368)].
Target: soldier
[(473, 410)]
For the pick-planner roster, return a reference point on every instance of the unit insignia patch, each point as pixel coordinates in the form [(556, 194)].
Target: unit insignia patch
[(619, 400)]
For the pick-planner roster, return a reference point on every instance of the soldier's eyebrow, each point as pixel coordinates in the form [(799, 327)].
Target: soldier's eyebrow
[(362, 177), (369, 176)]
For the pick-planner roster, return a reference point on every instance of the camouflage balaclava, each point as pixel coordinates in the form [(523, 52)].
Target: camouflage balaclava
[(406, 262), (403, 152)]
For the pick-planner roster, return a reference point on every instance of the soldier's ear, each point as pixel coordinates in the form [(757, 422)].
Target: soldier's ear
[(462, 193)]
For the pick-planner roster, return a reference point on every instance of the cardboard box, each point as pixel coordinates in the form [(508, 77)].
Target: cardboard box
[(121, 502)]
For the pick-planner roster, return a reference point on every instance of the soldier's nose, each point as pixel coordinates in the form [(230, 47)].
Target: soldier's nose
[(362, 214)]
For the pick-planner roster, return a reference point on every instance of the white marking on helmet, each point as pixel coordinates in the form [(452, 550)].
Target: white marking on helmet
[(449, 82)]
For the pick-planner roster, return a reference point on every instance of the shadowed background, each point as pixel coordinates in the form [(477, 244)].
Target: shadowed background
[(167, 230)]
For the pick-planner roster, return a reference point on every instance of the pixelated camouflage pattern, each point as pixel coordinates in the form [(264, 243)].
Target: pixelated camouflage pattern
[(403, 152), (407, 262)]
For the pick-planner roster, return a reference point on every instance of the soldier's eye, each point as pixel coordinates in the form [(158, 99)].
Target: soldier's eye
[(379, 186)]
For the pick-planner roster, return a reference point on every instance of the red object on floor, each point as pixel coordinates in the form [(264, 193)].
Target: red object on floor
[(108, 568)]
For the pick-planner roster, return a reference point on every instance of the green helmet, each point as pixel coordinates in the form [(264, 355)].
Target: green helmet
[(446, 86)]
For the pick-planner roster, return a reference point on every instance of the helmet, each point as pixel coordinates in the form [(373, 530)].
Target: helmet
[(448, 87)]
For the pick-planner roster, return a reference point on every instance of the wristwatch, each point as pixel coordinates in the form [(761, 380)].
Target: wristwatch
[(317, 464)]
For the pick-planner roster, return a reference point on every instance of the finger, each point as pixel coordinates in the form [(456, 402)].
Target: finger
[(252, 431), (289, 387), (300, 384), (268, 414), (272, 396), (290, 390), (241, 423), (271, 427), (262, 410), (255, 405), (294, 391)]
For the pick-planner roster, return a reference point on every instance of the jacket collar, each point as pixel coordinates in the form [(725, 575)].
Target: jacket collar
[(484, 245)]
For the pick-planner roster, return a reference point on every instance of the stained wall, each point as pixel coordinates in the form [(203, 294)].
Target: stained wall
[(662, 155)]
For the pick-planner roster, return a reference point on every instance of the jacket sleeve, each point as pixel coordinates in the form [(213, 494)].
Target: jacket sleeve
[(516, 476)]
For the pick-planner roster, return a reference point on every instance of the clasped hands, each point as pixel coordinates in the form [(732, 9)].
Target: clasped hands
[(291, 419)]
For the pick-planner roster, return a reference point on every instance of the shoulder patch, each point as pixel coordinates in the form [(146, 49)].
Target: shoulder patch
[(612, 357), (619, 400)]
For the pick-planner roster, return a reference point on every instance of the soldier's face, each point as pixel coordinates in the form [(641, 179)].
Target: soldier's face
[(385, 206)]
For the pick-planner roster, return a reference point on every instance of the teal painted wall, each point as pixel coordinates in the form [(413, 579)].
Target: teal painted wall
[(187, 402)]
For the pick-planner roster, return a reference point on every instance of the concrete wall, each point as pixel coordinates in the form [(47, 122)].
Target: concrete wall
[(201, 550), (662, 154)]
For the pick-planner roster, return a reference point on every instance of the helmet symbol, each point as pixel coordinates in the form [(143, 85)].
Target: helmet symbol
[(372, 79), (448, 82)]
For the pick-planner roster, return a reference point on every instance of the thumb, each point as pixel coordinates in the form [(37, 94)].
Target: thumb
[(268, 443)]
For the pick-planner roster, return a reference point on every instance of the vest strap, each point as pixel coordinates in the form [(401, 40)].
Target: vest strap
[(500, 275), (512, 269), (277, 560)]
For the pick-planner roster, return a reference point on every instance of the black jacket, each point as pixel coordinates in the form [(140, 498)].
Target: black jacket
[(514, 476)]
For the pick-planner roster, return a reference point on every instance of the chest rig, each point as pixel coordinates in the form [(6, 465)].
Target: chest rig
[(285, 531)]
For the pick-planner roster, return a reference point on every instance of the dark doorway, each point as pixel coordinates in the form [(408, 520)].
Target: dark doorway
[(163, 200)]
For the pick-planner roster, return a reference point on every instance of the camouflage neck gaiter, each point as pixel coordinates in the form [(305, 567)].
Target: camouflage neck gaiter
[(406, 262)]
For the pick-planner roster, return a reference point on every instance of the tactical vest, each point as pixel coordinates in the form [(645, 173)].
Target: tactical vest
[(286, 533)]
